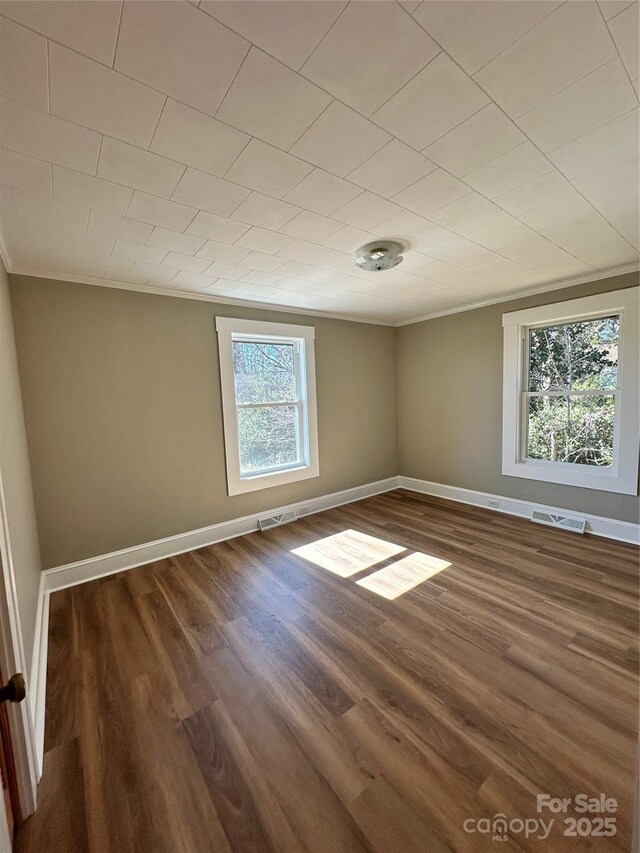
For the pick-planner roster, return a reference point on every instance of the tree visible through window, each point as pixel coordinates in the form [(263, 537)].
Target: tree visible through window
[(268, 404), (571, 391), (268, 386)]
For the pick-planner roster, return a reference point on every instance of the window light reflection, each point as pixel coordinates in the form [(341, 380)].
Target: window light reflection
[(399, 577), (348, 552)]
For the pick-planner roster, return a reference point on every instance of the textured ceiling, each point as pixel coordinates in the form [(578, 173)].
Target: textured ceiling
[(244, 150)]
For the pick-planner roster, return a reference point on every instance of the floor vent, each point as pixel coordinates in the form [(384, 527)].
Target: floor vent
[(277, 520), (551, 520)]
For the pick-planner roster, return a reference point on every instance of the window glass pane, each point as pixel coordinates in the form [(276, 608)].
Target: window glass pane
[(574, 356), (268, 437), (264, 372), (576, 429)]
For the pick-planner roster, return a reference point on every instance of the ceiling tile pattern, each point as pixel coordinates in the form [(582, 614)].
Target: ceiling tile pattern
[(434, 102), (25, 173), (134, 167), (244, 150), (474, 33), (124, 109), (564, 47), (432, 192), (38, 134), (176, 49), (391, 169), (591, 102), (191, 137), (288, 31), (481, 138), (23, 66), (340, 140), (517, 167), (272, 102), (89, 28), (86, 191), (160, 211), (267, 169), (209, 193), (341, 64), (175, 241), (322, 192), (624, 29)]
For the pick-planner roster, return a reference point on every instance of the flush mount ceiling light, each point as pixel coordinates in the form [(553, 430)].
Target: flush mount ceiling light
[(381, 255)]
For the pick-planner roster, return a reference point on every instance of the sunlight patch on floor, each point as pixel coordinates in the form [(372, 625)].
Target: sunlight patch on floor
[(348, 552), (403, 575)]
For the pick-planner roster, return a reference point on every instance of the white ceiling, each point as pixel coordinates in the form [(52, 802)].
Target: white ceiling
[(244, 150)]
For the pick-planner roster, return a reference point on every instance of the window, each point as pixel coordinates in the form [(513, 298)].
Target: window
[(267, 373), (570, 396), (570, 391)]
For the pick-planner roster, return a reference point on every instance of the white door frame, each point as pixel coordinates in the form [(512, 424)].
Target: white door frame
[(12, 659)]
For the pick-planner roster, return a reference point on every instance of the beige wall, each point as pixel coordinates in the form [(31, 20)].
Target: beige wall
[(16, 480), (122, 402), (122, 405), (450, 406)]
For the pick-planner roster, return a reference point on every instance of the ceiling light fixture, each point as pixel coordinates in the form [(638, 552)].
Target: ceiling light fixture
[(380, 255)]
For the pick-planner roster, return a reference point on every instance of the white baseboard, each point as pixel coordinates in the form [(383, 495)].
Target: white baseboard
[(72, 574), (611, 528)]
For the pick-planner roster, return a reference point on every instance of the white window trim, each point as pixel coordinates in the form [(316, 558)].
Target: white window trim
[(226, 328), (623, 476)]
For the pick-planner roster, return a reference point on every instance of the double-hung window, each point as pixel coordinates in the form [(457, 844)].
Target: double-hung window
[(571, 396), (267, 373)]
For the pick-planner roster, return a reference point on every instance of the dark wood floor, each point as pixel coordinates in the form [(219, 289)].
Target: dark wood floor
[(242, 698)]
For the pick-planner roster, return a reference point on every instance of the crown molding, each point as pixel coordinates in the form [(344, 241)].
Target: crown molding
[(189, 294), (5, 257), (596, 275)]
